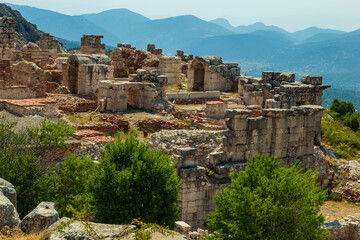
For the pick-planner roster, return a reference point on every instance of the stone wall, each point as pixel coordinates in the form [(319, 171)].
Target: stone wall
[(33, 53), (82, 73), (212, 74), (7, 37), (206, 158), (126, 60), (146, 90), (279, 90), (152, 49), (184, 57), (48, 42), (171, 67), (91, 44), (25, 80), (193, 95)]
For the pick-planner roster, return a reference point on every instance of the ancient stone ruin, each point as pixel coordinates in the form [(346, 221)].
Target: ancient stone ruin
[(145, 90), (271, 115), (7, 40), (211, 74), (91, 44), (82, 73), (48, 42)]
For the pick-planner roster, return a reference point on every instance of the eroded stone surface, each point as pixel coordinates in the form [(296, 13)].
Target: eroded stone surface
[(43, 216), (9, 191), (8, 214)]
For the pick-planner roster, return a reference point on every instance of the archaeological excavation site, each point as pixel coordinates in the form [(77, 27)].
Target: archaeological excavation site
[(208, 116)]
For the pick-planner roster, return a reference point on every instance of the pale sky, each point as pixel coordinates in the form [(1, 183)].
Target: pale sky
[(291, 15)]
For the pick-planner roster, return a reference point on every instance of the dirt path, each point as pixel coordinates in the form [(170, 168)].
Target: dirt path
[(338, 210)]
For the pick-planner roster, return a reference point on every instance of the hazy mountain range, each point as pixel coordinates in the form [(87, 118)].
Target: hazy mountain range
[(257, 47)]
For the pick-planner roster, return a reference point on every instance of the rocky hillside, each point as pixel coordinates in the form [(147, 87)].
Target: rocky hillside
[(25, 31)]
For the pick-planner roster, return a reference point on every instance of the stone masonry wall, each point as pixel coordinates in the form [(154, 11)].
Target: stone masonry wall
[(171, 67), (206, 158), (212, 74), (82, 73), (126, 60), (91, 44), (145, 90), (7, 37), (279, 90), (48, 42)]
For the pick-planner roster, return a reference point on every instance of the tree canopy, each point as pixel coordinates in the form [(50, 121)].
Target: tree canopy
[(267, 201)]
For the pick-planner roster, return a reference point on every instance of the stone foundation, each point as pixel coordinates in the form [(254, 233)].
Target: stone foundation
[(28, 107), (206, 158)]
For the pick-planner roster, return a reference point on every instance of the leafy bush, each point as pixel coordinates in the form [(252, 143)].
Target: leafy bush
[(132, 182), (67, 184), (267, 201), (22, 154), (352, 120), (342, 108)]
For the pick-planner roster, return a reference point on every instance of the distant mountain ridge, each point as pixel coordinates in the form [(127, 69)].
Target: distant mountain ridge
[(256, 47)]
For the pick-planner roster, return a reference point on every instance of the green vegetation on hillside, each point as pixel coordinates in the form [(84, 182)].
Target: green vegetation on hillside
[(340, 129), (267, 201)]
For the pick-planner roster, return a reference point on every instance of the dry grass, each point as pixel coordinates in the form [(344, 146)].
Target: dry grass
[(21, 236), (81, 118)]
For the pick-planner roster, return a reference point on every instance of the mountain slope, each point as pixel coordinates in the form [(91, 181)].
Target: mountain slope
[(63, 26), (224, 23), (255, 46), (312, 31), (174, 33), (121, 22), (260, 26)]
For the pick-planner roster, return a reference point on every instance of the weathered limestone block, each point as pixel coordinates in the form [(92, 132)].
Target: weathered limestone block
[(43, 216), (8, 214), (9, 191), (215, 109), (183, 227)]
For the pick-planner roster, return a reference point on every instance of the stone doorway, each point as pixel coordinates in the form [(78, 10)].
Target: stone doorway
[(134, 98), (73, 72), (199, 77)]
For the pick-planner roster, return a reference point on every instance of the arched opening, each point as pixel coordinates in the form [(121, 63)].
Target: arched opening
[(199, 77), (134, 98), (73, 76)]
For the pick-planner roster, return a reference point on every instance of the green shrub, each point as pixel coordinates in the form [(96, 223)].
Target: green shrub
[(342, 108), (352, 120), (133, 181), (67, 184), (267, 201), (22, 154)]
